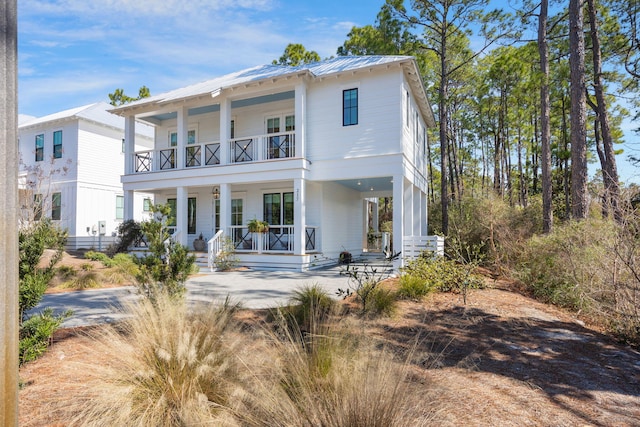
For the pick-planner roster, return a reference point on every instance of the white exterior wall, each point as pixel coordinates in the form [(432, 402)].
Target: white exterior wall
[(342, 222), (377, 130)]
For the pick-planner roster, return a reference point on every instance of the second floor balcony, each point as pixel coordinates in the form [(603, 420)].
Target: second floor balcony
[(239, 150)]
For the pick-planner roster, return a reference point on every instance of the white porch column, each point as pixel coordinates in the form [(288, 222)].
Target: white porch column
[(225, 132), (398, 216), (417, 211), (225, 208), (129, 144), (424, 223), (128, 204), (299, 216), (375, 215), (183, 131), (300, 119), (181, 214)]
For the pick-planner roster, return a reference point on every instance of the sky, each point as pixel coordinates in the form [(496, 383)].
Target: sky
[(75, 52)]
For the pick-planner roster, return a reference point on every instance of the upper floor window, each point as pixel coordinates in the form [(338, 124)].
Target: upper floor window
[(39, 147), (56, 206), (57, 144), (119, 207), (173, 137), (350, 107)]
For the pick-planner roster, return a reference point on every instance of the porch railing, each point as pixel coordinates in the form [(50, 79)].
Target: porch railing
[(412, 246), (214, 248), (279, 238)]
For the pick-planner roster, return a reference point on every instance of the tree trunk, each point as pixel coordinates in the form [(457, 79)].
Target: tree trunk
[(579, 202), (443, 113), (609, 168), (545, 121)]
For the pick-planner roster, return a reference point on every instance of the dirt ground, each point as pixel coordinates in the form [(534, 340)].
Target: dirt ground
[(503, 359)]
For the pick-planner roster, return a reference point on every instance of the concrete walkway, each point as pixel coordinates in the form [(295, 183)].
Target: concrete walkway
[(253, 289)]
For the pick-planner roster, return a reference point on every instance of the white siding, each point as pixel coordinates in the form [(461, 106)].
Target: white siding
[(378, 128), (342, 220)]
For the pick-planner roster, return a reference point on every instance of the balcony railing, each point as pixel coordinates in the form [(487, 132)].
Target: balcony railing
[(241, 150)]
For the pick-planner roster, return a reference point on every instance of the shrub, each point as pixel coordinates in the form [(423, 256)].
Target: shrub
[(99, 256), (123, 270), (65, 271), (414, 287), (363, 281), (226, 260), (167, 265), (383, 301), (86, 280), (441, 274), (129, 234), (36, 333)]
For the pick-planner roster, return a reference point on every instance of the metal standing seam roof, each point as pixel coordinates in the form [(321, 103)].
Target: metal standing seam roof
[(318, 69), (97, 112)]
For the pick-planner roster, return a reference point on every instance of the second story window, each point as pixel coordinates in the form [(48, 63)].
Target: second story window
[(40, 147), (173, 138), (350, 107), (57, 144)]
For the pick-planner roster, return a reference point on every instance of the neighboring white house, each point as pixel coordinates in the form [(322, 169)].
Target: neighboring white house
[(307, 149), (70, 168)]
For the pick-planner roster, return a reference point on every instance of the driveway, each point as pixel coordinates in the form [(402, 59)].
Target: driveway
[(253, 289)]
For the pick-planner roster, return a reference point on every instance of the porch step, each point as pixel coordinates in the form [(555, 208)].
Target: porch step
[(202, 260)]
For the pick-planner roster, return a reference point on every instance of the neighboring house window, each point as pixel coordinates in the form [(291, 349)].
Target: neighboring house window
[(119, 207), (146, 205), (350, 107), (191, 215), (40, 147), (57, 144), (56, 206), (37, 207)]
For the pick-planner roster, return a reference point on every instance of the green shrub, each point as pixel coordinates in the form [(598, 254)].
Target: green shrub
[(99, 256), (129, 234), (441, 274), (65, 271), (414, 287), (383, 301), (36, 333), (86, 280), (124, 269)]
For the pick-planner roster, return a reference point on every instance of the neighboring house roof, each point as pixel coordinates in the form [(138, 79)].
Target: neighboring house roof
[(318, 70), (97, 113)]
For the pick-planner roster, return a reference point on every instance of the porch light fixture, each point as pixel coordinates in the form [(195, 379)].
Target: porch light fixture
[(359, 183), (371, 188), (216, 193)]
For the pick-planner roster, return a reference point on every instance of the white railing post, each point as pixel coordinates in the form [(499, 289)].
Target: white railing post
[(214, 247)]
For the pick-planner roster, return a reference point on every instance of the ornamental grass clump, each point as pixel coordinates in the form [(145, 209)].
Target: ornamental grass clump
[(330, 377), (170, 365)]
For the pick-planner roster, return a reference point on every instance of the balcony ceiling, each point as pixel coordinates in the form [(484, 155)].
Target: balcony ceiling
[(234, 104), (369, 184)]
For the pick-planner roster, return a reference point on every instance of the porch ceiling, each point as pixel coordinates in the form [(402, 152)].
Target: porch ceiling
[(368, 184)]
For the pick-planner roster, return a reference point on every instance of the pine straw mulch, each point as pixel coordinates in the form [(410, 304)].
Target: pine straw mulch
[(503, 359)]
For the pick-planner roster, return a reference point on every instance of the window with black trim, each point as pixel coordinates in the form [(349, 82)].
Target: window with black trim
[(350, 107), (57, 144), (191, 215), (40, 147)]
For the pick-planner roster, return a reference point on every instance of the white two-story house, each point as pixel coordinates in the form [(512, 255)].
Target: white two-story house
[(307, 149), (70, 168)]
